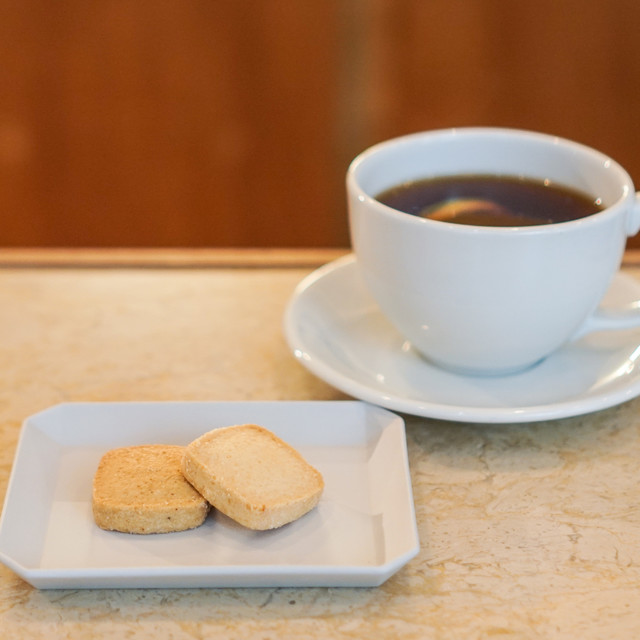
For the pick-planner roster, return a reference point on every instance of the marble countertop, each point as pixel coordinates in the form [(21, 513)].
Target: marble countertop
[(527, 530)]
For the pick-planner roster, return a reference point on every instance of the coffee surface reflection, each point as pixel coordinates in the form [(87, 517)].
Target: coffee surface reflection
[(490, 201)]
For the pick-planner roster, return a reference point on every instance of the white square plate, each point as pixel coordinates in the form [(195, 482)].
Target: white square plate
[(363, 530)]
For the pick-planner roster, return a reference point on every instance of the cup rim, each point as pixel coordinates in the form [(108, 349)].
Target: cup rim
[(627, 191)]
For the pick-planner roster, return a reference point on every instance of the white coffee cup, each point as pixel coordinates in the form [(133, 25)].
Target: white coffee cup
[(491, 300)]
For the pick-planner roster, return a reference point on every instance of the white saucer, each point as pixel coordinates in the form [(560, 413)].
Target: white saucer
[(337, 331)]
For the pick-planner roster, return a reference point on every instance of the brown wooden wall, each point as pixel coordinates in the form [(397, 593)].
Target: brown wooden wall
[(232, 122)]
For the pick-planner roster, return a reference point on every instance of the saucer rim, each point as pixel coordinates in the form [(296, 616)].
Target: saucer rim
[(440, 411)]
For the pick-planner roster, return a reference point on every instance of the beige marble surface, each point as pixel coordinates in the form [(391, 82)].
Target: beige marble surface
[(527, 531)]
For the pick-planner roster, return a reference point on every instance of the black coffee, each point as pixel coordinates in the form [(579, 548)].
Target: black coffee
[(490, 201)]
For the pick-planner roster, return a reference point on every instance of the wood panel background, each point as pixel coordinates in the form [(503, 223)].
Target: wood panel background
[(205, 123)]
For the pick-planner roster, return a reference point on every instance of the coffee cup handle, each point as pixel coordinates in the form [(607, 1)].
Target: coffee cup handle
[(626, 317), (633, 219)]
